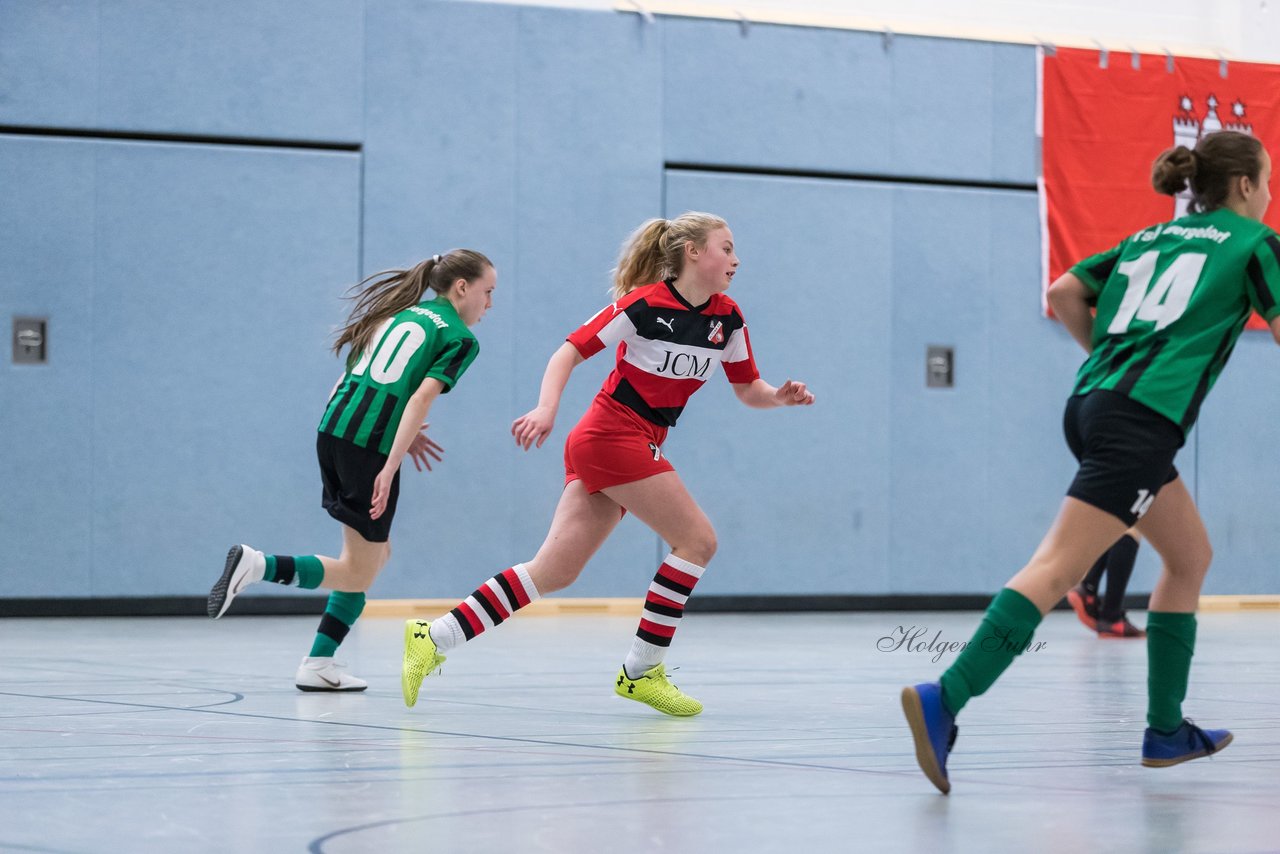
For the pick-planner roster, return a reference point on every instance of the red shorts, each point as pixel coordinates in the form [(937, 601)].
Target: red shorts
[(612, 445)]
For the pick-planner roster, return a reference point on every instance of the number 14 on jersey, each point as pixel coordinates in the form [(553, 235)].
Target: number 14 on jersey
[(1162, 303)]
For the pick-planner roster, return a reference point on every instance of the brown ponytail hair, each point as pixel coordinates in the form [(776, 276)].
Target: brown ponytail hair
[(384, 294), (1208, 170), (655, 250)]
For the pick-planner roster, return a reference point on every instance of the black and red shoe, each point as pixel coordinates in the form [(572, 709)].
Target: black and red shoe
[(1085, 604), (1121, 628)]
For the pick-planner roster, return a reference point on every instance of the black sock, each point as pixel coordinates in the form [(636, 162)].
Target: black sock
[(1090, 583), (1119, 567)]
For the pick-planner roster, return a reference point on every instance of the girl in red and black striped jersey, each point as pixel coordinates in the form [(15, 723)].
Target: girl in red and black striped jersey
[(671, 324)]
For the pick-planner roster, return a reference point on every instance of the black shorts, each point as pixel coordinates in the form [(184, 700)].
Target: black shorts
[(348, 472), (1125, 450)]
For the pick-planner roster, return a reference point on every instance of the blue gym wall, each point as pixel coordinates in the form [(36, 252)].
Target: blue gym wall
[(186, 192)]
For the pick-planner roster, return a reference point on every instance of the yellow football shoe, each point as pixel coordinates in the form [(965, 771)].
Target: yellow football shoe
[(653, 689), (420, 658)]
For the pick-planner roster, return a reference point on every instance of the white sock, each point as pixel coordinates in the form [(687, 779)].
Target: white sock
[(642, 656), (446, 633)]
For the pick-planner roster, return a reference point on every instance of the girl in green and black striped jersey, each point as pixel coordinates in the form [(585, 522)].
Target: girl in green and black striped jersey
[(402, 353), (1171, 302)]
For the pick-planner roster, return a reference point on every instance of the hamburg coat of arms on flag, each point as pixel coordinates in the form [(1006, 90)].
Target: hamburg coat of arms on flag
[(1105, 118)]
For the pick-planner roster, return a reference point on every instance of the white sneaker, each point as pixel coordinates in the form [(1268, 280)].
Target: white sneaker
[(325, 674), (245, 565)]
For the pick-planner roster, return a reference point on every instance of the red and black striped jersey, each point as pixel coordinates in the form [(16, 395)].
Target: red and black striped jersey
[(667, 348)]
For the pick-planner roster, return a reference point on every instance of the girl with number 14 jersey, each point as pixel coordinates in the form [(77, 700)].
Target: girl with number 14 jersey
[(1171, 302), (1182, 293)]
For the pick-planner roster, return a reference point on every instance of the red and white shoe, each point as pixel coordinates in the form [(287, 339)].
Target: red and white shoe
[(1121, 628), (1085, 604)]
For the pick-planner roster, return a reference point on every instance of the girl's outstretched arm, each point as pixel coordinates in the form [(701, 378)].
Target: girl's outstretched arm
[(535, 425), (758, 394)]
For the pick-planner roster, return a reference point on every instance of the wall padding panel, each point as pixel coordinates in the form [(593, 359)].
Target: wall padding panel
[(241, 68), (841, 101), (187, 357)]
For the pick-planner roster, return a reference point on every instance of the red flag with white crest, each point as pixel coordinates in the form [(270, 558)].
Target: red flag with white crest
[(1105, 117)]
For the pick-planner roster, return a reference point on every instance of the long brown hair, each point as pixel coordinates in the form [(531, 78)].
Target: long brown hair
[(1208, 169), (655, 250), (384, 294)]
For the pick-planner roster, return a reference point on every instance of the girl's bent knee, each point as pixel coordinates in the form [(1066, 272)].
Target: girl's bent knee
[(700, 549), (1189, 562), (359, 584), (549, 580)]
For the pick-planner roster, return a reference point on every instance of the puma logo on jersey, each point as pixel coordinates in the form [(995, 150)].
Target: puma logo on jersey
[(716, 335), (670, 324)]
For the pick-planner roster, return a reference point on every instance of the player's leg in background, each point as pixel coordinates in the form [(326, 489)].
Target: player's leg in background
[(1112, 621)]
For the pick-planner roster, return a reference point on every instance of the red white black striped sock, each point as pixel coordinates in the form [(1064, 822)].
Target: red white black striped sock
[(663, 608), (490, 604)]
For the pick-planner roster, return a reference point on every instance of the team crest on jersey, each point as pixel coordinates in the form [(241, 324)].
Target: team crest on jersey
[(716, 335)]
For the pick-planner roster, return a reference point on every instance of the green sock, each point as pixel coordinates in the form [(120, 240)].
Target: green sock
[(1171, 641), (1004, 634), (307, 571), (339, 616)]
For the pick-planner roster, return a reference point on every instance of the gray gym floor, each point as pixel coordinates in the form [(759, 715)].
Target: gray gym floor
[(187, 735)]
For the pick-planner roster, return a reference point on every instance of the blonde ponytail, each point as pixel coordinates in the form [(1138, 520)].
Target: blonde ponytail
[(640, 261), (655, 250)]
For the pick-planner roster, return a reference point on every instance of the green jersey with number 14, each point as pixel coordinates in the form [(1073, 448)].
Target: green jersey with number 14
[(425, 340), (1172, 301)]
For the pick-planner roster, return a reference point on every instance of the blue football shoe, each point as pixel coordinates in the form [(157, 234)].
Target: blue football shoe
[(1187, 742), (933, 728)]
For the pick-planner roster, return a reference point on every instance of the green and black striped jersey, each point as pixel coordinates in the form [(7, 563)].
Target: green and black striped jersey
[(425, 340), (1172, 301)]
